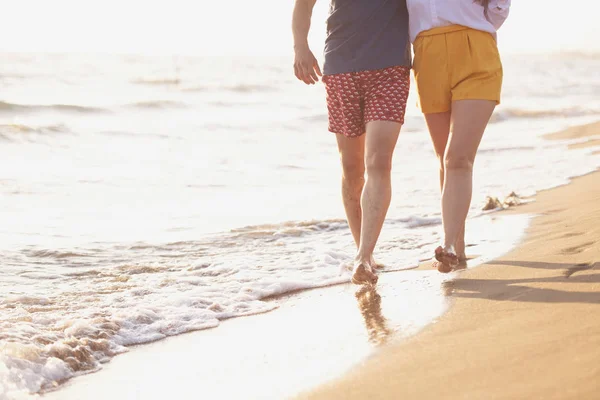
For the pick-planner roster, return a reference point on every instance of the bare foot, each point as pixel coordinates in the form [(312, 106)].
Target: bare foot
[(376, 265), (462, 264), (441, 267), (447, 259), (363, 274)]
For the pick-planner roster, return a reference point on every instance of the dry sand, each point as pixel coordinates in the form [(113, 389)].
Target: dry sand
[(525, 326)]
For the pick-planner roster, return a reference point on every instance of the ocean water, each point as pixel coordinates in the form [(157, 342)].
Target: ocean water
[(144, 197)]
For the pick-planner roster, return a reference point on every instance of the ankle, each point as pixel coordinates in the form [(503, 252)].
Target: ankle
[(361, 258), (449, 248), (460, 248)]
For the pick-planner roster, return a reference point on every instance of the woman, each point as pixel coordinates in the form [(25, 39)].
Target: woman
[(458, 73)]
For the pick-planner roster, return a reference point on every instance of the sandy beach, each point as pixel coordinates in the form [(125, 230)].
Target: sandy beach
[(523, 326)]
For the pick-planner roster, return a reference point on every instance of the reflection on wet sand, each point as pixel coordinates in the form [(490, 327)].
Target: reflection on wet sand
[(448, 286), (369, 304)]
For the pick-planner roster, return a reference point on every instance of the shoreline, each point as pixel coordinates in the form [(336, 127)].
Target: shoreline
[(304, 320), (313, 336), (523, 326)]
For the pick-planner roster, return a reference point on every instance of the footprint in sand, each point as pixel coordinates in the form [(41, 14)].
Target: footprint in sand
[(577, 249), (572, 234)]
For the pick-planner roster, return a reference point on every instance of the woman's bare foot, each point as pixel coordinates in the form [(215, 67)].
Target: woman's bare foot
[(443, 268), (462, 264), (447, 259), (363, 274)]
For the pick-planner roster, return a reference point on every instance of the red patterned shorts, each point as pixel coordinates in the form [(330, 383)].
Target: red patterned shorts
[(355, 98)]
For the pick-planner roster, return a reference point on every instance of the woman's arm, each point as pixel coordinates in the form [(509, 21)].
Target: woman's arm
[(498, 12)]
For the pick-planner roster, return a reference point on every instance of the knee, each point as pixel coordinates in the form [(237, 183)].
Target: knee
[(457, 161), (441, 161), (378, 164), (353, 171)]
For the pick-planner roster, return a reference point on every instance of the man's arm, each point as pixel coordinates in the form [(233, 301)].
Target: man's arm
[(306, 67)]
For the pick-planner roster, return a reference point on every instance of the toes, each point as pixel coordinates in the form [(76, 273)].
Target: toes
[(363, 275), (442, 267), (446, 257)]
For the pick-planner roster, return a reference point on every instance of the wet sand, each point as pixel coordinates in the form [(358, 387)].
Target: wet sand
[(313, 337), (524, 326)]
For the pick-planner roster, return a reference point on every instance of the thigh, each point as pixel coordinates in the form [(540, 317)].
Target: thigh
[(352, 155), (344, 105), (438, 125), (380, 142), (468, 122)]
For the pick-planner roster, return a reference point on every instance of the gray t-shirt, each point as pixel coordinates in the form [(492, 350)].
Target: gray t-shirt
[(366, 35)]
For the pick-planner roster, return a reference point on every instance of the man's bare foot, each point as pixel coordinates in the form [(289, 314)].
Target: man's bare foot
[(363, 274), (375, 265), (447, 259)]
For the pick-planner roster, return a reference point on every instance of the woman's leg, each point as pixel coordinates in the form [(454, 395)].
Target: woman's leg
[(468, 122), (439, 130)]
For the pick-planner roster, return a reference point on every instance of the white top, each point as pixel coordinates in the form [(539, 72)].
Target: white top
[(428, 14)]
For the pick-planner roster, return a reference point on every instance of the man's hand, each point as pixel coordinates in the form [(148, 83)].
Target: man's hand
[(306, 66)]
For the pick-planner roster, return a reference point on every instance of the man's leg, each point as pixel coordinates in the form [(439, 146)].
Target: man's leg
[(380, 141), (352, 156)]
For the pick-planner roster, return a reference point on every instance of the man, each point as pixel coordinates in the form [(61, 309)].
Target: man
[(366, 73)]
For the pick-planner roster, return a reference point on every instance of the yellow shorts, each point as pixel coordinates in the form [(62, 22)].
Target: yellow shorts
[(456, 63)]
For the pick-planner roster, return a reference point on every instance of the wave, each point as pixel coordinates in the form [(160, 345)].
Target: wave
[(126, 298), (593, 55), (158, 104), (290, 228), (301, 228), (511, 113), (229, 104), (195, 89), (418, 222), (505, 149), (241, 88), (11, 131), (7, 107), (157, 81), (249, 88), (57, 254), (315, 118)]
